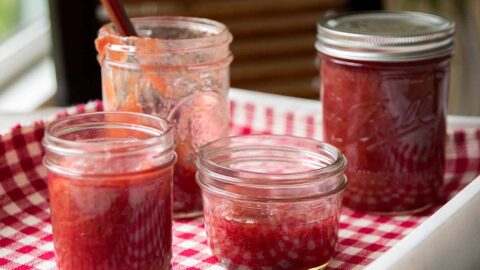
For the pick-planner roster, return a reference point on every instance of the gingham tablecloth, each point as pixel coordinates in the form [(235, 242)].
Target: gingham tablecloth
[(26, 232)]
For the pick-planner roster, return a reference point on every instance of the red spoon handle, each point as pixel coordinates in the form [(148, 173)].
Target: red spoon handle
[(119, 17)]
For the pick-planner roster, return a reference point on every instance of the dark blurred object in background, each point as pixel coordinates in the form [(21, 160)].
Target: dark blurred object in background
[(74, 28), (358, 5)]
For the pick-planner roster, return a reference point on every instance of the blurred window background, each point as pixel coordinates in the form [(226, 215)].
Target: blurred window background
[(273, 45), (26, 69)]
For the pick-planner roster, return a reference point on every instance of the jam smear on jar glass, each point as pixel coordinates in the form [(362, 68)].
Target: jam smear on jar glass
[(384, 88), (110, 182), (271, 202), (177, 69)]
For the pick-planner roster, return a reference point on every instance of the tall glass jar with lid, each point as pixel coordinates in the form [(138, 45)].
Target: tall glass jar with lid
[(384, 86)]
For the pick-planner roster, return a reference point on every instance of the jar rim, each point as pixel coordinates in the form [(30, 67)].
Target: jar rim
[(53, 143), (336, 167), (265, 187), (393, 36), (216, 30)]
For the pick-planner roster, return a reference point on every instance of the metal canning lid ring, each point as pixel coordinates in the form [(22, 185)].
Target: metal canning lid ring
[(385, 36)]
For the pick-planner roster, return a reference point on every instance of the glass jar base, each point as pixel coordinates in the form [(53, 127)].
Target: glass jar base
[(187, 215), (395, 213), (229, 266), (321, 267)]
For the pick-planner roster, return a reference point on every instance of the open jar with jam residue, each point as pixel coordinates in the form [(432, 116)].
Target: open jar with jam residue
[(177, 69), (384, 79), (271, 202), (110, 184)]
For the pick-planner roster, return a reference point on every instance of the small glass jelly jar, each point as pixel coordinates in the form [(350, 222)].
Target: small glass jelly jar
[(177, 69), (110, 183), (384, 79), (271, 202)]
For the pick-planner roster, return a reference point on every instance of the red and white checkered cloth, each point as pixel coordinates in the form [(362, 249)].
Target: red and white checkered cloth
[(26, 233)]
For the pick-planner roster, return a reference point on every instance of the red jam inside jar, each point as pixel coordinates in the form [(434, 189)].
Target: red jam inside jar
[(271, 202), (110, 183), (177, 69), (288, 238), (385, 107)]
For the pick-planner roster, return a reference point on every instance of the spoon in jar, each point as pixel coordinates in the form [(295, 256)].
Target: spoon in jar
[(116, 13)]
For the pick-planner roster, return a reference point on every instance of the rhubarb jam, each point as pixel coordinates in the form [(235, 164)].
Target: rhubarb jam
[(110, 182), (177, 69), (384, 88), (271, 202)]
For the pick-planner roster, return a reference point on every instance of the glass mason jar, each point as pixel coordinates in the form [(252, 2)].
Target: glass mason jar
[(384, 79), (178, 69), (271, 202), (110, 181)]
